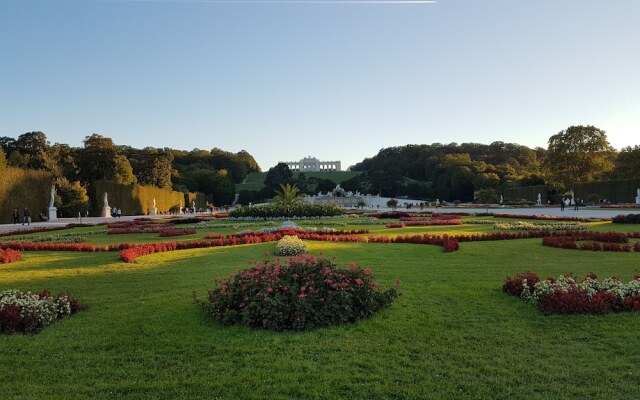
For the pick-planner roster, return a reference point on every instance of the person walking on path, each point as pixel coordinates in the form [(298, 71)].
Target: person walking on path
[(16, 216), (575, 205), (561, 204), (26, 215)]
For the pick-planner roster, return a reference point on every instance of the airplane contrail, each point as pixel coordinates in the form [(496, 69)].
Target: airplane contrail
[(269, 1)]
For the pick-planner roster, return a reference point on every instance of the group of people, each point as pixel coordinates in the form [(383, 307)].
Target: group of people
[(576, 204), (116, 212), (26, 216)]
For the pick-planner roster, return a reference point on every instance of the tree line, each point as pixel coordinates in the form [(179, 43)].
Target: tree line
[(76, 169), (454, 171)]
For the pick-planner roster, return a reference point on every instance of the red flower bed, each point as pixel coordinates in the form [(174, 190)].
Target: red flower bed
[(427, 222), (140, 228), (449, 243), (9, 255), (176, 232), (455, 215), (48, 246), (390, 215), (595, 241), (213, 236), (395, 225), (515, 286)]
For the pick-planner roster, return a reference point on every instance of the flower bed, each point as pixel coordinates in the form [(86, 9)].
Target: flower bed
[(26, 312), (626, 219), (33, 230), (596, 241), (551, 226), (62, 238), (565, 295), (549, 217), (290, 246), (177, 232), (390, 215), (9, 255), (140, 228), (301, 293)]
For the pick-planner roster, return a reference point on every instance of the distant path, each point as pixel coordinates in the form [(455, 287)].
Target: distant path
[(593, 212)]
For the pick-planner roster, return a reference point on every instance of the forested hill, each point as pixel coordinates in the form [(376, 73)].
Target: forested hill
[(447, 171)]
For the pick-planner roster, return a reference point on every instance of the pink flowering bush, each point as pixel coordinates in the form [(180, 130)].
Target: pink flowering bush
[(297, 294)]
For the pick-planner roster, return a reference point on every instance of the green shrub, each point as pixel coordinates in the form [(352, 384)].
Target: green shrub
[(299, 294), (279, 210)]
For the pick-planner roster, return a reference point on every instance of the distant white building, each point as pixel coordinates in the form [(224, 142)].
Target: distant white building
[(312, 164)]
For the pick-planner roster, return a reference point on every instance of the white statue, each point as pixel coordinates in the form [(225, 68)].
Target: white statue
[(106, 199), (53, 196), (539, 201), (501, 199), (154, 202), (638, 192)]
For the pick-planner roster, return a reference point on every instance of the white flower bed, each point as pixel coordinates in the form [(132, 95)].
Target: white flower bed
[(38, 310), (290, 246), (549, 226), (589, 286)]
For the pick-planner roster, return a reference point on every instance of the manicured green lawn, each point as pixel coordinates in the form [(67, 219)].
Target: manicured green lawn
[(453, 334)]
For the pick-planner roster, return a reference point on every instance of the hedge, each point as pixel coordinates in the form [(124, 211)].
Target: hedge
[(138, 199), (24, 188), (615, 191), (529, 193)]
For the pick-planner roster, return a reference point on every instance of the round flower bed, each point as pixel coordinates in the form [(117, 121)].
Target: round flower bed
[(26, 312), (290, 246), (299, 294)]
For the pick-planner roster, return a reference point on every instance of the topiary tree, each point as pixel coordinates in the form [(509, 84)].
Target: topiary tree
[(392, 203)]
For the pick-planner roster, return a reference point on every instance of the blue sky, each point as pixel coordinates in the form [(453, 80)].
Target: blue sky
[(335, 81)]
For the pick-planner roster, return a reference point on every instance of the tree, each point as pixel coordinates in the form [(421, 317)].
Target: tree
[(3, 160), (33, 146), (280, 174), (578, 154), (122, 171), (288, 195), (97, 160), (155, 168), (71, 198), (248, 160), (627, 163), (392, 203), (487, 196)]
